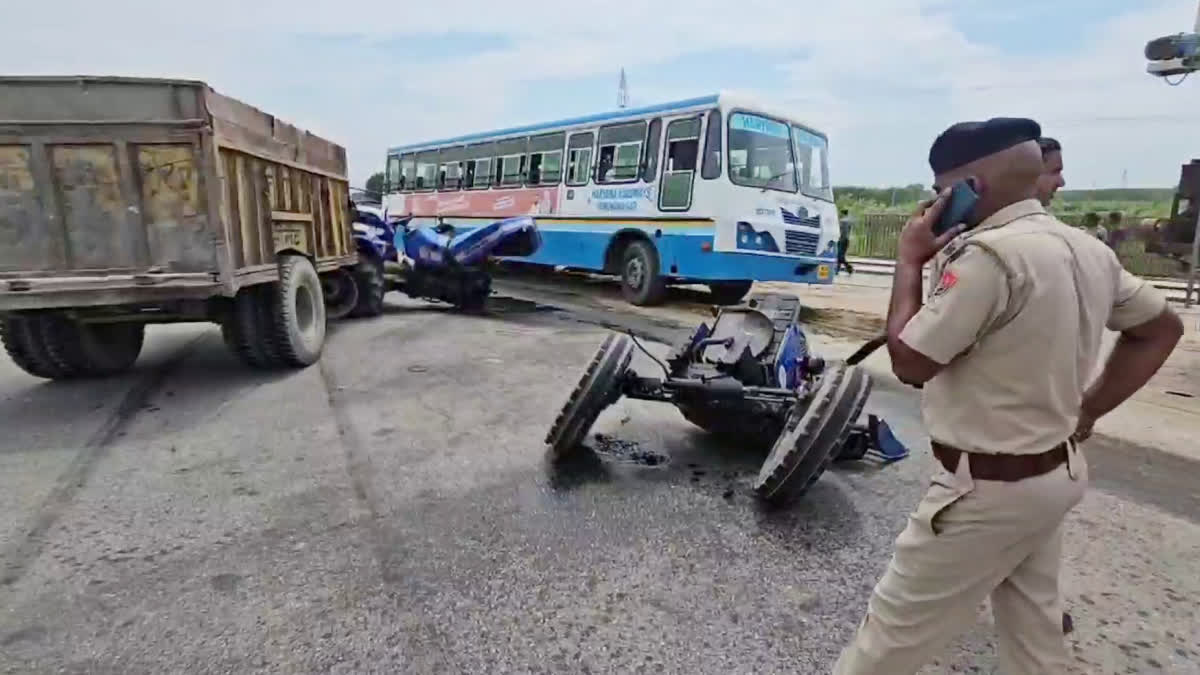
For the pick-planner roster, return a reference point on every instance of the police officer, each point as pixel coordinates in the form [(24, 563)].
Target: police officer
[(1003, 346), (1048, 184), (1051, 180)]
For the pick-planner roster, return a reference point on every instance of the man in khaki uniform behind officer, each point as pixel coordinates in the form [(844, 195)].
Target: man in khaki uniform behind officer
[(1004, 346)]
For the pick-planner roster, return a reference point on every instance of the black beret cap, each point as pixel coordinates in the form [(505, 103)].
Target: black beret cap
[(966, 142)]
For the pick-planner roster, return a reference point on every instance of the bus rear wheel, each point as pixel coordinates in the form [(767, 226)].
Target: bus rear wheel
[(641, 283), (729, 292)]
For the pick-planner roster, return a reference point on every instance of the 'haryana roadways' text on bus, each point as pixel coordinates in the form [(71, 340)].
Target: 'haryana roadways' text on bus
[(715, 190)]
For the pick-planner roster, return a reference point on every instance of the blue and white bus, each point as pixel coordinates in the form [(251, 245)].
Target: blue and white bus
[(715, 190)]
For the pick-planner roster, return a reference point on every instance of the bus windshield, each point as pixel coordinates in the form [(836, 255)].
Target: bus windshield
[(760, 153), (812, 156)]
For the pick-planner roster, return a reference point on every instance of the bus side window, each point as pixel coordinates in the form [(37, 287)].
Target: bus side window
[(579, 159), (679, 168), (479, 165), (621, 152), (712, 147), (408, 172), (650, 166), (393, 174), (545, 159), (427, 170)]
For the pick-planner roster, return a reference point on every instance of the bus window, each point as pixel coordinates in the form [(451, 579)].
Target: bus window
[(620, 153), (650, 168), (712, 147), (451, 170), (579, 158), (408, 172), (393, 173), (479, 173), (679, 165), (511, 168), (426, 170), (812, 154), (478, 158), (510, 161), (545, 159), (760, 153)]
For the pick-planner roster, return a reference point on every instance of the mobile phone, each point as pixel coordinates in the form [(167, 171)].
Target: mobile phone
[(958, 206)]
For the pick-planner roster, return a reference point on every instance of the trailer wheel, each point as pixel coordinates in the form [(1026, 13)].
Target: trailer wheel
[(23, 343), (341, 293), (90, 350), (249, 330), (641, 281), (811, 438), (368, 277), (729, 292), (298, 313), (598, 388)]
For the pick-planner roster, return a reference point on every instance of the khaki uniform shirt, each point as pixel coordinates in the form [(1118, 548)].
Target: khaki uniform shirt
[(1018, 308)]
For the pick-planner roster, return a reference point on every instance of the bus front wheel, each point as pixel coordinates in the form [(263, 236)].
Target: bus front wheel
[(641, 283), (729, 292)]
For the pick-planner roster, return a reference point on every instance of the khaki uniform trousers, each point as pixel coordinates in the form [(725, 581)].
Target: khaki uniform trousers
[(966, 540)]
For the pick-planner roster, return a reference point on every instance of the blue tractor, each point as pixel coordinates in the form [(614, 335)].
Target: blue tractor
[(434, 263), (751, 377)]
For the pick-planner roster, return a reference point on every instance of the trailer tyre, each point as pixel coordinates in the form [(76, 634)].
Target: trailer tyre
[(89, 350), (23, 343), (249, 329), (641, 280), (368, 276), (298, 313)]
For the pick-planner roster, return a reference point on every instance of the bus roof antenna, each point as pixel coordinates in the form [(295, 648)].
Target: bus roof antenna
[(623, 91)]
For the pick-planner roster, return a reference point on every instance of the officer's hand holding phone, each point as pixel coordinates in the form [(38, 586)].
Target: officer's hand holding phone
[(935, 222)]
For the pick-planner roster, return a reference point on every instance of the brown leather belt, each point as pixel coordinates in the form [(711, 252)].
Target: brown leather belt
[(1007, 468)]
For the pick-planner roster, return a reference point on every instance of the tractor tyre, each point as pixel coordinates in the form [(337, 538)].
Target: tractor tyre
[(813, 435), (368, 277), (598, 388)]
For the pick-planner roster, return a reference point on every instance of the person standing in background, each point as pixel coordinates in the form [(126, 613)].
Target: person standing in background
[(846, 223), (1051, 180)]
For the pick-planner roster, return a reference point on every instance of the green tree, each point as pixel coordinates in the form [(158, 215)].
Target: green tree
[(375, 184)]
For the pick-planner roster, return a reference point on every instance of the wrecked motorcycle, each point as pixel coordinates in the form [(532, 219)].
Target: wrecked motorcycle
[(751, 377), (433, 263)]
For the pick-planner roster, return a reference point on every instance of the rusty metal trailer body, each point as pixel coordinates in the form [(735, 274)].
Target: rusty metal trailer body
[(126, 201)]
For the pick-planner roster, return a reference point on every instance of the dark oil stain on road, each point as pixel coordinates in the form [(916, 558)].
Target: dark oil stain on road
[(626, 451)]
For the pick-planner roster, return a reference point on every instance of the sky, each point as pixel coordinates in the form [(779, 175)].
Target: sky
[(881, 77)]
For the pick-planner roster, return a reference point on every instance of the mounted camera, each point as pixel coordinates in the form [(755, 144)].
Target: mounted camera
[(1177, 54), (1173, 55)]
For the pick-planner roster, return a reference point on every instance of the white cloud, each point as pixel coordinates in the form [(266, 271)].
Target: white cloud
[(882, 76)]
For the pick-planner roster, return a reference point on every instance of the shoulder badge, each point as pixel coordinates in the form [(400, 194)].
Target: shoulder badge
[(946, 282)]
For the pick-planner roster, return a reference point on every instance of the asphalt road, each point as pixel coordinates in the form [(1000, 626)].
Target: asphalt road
[(391, 510)]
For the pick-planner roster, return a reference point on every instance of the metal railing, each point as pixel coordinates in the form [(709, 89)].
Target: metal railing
[(875, 236)]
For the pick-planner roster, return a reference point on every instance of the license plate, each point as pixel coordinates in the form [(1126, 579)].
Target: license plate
[(290, 237), (822, 272)]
